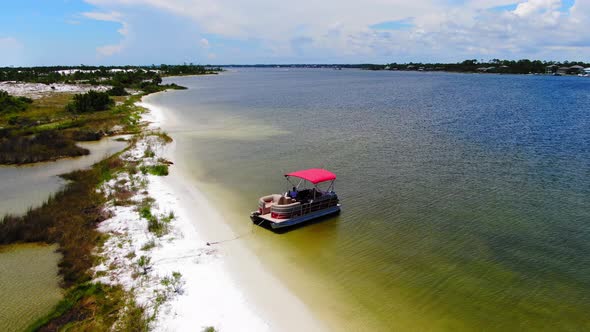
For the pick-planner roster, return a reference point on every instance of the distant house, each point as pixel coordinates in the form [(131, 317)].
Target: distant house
[(563, 70), (486, 69), (576, 69), (551, 69)]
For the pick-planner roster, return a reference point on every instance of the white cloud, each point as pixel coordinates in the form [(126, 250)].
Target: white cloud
[(109, 50), (339, 28), (532, 7)]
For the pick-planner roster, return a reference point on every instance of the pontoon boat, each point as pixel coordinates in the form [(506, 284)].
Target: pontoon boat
[(299, 204)]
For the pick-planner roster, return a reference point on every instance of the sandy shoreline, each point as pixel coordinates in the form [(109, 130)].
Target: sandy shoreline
[(223, 286)]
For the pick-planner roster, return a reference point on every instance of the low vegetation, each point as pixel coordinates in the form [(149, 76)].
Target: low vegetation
[(157, 224), (10, 104), (94, 307), (47, 145), (49, 128), (92, 101), (160, 170), (118, 90)]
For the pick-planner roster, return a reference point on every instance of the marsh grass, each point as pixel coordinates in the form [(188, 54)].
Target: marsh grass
[(149, 152), (94, 307), (145, 264), (69, 218), (158, 170), (46, 131), (156, 225), (148, 245)]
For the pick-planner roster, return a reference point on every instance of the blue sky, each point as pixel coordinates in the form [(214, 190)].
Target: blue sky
[(116, 32)]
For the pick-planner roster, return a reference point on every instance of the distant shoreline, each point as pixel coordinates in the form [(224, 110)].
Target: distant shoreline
[(520, 67)]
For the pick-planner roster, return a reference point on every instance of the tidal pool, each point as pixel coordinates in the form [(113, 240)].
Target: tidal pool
[(28, 186)]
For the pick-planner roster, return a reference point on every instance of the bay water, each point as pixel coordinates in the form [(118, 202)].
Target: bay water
[(465, 198)]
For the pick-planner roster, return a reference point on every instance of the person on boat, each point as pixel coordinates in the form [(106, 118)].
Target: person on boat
[(293, 193)]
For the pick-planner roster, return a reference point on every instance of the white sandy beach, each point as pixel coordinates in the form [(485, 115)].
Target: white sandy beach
[(38, 90), (222, 285)]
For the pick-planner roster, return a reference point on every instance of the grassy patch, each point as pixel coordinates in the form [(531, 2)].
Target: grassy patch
[(148, 245), (159, 170), (46, 131), (149, 152), (163, 136), (156, 225), (10, 104), (145, 264)]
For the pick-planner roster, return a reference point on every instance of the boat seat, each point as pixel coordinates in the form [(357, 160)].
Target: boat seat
[(266, 202), (285, 200)]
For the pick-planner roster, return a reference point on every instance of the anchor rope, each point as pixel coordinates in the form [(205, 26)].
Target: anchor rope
[(236, 237)]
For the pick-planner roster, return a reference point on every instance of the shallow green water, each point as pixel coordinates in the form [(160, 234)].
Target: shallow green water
[(29, 284), (465, 197)]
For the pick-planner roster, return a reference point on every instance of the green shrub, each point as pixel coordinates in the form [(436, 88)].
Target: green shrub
[(145, 263), (149, 152), (159, 170), (9, 104), (145, 212), (157, 227), (117, 90), (92, 101), (21, 121), (46, 145), (148, 245)]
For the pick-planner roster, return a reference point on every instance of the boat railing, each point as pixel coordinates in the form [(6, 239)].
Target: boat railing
[(296, 209)]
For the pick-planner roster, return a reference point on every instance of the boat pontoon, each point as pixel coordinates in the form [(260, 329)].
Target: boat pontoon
[(299, 204)]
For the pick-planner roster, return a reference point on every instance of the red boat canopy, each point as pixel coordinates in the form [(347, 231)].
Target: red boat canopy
[(314, 175)]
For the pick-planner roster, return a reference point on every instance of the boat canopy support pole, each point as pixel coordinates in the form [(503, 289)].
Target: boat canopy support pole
[(293, 184)]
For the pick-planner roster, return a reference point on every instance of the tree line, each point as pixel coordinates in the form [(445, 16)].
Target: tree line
[(127, 76), (524, 66)]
